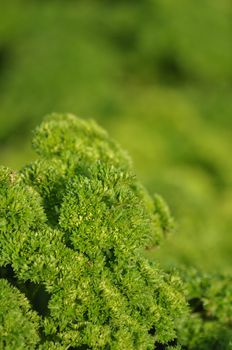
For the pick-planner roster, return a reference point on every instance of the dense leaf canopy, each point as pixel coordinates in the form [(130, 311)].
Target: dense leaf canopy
[(73, 224)]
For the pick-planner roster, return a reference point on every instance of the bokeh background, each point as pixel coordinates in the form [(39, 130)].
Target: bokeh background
[(157, 74)]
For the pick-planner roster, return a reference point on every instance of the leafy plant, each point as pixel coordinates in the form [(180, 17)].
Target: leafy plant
[(72, 228), (209, 325)]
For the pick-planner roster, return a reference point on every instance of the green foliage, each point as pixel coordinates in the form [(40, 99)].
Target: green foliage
[(73, 225), (209, 326), (166, 96), (18, 324), (157, 75)]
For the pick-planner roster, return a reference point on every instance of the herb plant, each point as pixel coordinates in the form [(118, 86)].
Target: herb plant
[(73, 227), (73, 224), (209, 323)]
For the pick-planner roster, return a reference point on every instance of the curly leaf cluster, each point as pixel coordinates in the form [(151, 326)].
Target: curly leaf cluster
[(209, 323), (72, 226)]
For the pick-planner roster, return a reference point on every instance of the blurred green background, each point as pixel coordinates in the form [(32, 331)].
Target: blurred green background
[(157, 74)]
